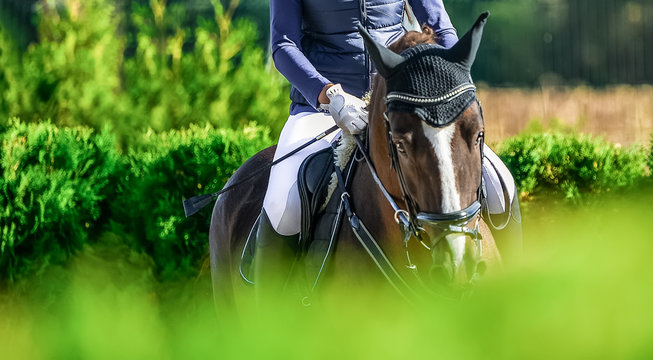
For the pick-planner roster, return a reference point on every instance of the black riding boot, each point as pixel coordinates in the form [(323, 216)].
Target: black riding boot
[(273, 261), (509, 238)]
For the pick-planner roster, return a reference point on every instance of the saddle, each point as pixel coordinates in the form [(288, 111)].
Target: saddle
[(321, 215)]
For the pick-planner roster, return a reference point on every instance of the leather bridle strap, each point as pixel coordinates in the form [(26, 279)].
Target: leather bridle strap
[(367, 240), (370, 245), (411, 207), (400, 215), (408, 220)]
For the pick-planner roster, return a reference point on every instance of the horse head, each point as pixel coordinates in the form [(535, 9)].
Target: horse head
[(425, 114)]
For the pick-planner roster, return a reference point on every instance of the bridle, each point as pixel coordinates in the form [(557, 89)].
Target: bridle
[(435, 84), (413, 223)]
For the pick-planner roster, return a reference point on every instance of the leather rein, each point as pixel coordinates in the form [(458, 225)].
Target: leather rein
[(410, 220)]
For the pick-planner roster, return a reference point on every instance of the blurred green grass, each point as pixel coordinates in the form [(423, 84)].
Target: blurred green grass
[(581, 290)]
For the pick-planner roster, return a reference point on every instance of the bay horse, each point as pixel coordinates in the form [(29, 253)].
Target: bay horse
[(421, 187)]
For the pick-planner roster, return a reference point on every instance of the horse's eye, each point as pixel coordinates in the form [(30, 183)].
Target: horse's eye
[(480, 137), (400, 147)]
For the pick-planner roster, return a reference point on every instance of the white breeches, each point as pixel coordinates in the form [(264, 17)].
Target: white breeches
[(282, 203)]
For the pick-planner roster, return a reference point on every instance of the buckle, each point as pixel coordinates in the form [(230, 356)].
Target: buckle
[(398, 212)]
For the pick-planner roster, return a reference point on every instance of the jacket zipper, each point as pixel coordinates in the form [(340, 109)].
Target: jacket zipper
[(368, 67)]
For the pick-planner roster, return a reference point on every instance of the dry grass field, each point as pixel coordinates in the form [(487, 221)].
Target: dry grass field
[(621, 114)]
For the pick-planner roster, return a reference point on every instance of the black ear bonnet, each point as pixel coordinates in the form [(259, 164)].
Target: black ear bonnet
[(429, 80), (436, 90)]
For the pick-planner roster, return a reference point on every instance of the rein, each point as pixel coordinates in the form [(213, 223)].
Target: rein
[(410, 220)]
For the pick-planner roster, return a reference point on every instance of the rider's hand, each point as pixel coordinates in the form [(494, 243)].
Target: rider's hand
[(347, 110)]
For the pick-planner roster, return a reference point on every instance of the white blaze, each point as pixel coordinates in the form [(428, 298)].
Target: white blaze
[(441, 139)]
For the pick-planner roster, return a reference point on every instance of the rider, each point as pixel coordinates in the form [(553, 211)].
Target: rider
[(317, 47)]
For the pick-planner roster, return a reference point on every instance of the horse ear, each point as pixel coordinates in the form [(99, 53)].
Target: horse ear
[(384, 59), (464, 52)]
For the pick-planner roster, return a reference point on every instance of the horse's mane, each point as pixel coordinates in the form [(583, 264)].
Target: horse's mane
[(412, 38), (409, 39)]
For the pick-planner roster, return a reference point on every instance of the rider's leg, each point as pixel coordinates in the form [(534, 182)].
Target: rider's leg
[(278, 234), (282, 198), (498, 180), (273, 258)]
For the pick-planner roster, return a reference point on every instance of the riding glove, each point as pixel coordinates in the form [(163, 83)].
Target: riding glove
[(347, 110)]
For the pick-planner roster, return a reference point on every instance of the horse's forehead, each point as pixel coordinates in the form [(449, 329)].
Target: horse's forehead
[(403, 122)]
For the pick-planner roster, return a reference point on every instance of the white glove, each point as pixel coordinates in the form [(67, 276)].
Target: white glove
[(347, 110)]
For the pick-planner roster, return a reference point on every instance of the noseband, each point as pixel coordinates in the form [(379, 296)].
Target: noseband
[(413, 223), (434, 83)]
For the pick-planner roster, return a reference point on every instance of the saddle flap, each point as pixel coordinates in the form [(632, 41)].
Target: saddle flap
[(321, 208), (316, 169), (312, 182)]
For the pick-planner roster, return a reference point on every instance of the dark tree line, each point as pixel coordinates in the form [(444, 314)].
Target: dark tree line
[(526, 43), (17, 16), (592, 42)]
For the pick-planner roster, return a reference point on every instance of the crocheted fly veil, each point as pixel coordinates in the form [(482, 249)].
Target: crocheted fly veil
[(429, 80)]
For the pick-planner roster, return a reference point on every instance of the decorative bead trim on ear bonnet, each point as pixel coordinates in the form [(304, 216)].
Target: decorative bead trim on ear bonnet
[(429, 80)]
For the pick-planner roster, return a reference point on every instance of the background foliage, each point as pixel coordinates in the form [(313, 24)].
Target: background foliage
[(64, 188), (168, 167), (78, 74), (54, 185), (527, 42), (571, 165)]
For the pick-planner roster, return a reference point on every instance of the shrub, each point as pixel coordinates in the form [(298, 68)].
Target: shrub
[(167, 168), (221, 79), (72, 75), (62, 188), (570, 165), (55, 185)]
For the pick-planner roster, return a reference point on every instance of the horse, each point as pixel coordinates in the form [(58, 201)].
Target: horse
[(418, 197)]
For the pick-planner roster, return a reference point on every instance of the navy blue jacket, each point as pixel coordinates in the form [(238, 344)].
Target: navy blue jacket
[(315, 42)]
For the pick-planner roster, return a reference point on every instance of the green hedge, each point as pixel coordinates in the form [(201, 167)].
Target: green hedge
[(54, 186), (167, 168), (61, 188), (571, 165)]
